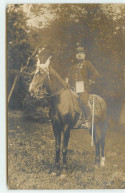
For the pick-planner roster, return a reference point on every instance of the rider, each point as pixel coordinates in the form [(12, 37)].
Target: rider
[(81, 76)]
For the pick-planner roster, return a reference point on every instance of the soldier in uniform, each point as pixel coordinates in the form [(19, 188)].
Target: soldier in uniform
[(81, 76)]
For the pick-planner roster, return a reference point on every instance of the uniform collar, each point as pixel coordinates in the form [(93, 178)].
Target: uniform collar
[(80, 65)]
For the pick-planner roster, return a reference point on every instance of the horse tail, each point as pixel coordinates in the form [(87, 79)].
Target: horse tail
[(104, 120), (103, 107), (101, 111)]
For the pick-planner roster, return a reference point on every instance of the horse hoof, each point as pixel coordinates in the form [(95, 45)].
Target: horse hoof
[(102, 163), (63, 174), (53, 174), (56, 172), (96, 166)]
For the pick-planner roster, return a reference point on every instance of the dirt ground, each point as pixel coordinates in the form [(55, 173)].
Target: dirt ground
[(31, 152)]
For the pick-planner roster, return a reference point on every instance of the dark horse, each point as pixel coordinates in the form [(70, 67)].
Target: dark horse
[(63, 114)]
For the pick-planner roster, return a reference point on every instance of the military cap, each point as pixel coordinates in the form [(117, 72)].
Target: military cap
[(80, 49)]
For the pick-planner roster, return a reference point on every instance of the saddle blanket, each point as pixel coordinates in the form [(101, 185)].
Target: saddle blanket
[(99, 104)]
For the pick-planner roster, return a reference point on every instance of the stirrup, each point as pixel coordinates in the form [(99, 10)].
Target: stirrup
[(86, 125)]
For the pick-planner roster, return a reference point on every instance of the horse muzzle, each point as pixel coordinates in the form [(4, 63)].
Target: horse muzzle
[(32, 94), (31, 91)]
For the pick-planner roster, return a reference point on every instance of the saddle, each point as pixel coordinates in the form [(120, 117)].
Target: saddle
[(99, 105)]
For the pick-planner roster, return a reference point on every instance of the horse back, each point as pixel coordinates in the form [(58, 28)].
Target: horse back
[(100, 106)]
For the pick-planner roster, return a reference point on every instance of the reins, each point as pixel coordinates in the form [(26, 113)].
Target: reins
[(51, 95), (46, 69)]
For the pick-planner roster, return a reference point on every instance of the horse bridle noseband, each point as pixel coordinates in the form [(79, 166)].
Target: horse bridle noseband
[(50, 95)]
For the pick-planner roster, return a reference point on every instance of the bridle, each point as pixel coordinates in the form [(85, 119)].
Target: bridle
[(44, 94)]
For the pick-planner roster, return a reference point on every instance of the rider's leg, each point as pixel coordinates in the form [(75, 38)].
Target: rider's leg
[(84, 102)]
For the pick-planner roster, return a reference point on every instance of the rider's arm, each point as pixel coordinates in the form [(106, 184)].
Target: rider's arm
[(93, 73)]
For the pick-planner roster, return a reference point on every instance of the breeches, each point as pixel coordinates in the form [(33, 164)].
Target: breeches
[(84, 103)]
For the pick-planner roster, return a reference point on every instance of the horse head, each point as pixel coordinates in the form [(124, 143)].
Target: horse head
[(41, 74)]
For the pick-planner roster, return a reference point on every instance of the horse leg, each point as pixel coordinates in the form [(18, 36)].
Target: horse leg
[(97, 141), (57, 133), (66, 135), (57, 147), (102, 154), (103, 129)]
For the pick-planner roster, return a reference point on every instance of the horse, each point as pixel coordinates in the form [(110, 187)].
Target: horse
[(64, 116)]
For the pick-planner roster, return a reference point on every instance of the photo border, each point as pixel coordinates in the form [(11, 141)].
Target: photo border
[(3, 97)]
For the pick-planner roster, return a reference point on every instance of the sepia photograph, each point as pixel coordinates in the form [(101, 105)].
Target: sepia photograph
[(65, 96)]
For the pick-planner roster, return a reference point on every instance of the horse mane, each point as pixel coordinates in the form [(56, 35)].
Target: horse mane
[(57, 81)]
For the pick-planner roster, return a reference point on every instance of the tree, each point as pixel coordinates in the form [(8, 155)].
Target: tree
[(18, 49), (17, 37), (98, 27)]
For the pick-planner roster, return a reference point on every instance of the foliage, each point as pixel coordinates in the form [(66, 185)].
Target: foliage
[(18, 50), (98, 27), (59, 27), (17, 38)]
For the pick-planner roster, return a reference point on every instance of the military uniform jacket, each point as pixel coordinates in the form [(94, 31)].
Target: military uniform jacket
[(83, 71)]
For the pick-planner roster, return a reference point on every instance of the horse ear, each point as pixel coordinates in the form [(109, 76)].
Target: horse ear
[(37, 70), (39, 65), (47, 62), (46, 65), (38, 62)]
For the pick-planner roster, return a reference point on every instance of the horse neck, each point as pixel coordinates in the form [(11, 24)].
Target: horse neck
[(56, 83)]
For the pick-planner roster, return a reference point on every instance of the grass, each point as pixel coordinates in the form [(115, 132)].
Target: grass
[(31, 153)]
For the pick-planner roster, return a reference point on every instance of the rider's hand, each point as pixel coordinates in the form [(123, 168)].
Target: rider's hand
[(91, 82), (67, 80)]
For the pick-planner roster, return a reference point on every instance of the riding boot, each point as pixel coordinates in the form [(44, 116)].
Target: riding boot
[(86, 109), (87, 123), (57, 160)]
